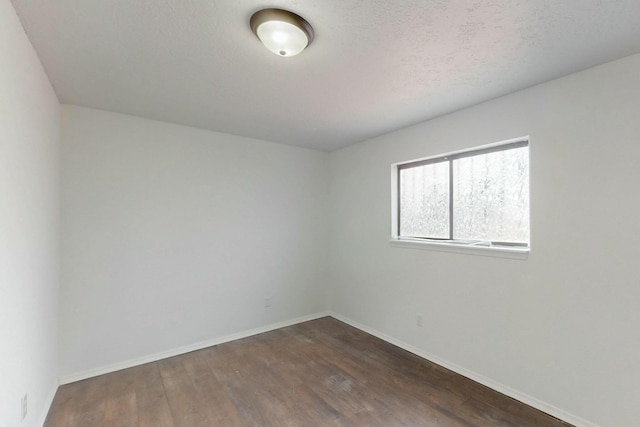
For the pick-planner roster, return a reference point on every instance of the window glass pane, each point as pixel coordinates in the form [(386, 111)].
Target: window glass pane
[(424, 201), (491, 196)]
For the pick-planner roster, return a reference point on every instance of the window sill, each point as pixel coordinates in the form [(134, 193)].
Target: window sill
[(492, 251)]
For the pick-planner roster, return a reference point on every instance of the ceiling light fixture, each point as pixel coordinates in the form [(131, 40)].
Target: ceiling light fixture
[(282, 32)]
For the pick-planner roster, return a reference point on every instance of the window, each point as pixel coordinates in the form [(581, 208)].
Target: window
[(478, 197)]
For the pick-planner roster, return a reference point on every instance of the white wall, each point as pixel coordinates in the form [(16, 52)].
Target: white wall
[(562, 326), (29, 143), (174, 235)]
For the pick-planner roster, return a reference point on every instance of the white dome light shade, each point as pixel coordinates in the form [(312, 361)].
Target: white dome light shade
[(283, 33), (282, 38)]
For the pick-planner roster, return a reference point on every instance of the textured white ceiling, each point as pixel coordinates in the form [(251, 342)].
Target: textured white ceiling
[(374, 66)]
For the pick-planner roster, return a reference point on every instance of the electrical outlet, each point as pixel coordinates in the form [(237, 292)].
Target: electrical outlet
[(24, 407), (267, 302), (419, 320)]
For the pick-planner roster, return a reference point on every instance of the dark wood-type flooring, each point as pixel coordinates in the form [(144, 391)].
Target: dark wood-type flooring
[(318, 373)]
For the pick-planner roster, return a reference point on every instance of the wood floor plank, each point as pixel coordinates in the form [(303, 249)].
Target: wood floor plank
[(252, 387), (121, 406), (152, 406), (91, 400), (318, 373), (402, 391), (62, 406), (187, 407), (212, 393)]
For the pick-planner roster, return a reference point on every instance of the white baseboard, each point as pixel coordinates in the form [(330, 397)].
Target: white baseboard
[(515, 394), (48, 401), (77, 376)]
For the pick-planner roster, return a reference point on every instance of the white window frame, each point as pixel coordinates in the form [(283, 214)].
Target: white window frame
[(452, 245)]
